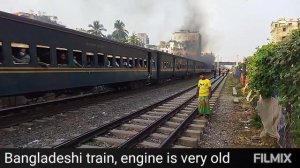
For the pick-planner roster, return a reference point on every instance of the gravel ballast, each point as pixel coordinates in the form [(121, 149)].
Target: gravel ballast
[(70, 123)]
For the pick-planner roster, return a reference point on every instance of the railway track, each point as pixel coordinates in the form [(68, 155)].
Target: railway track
[(25, 113), (168, 123)]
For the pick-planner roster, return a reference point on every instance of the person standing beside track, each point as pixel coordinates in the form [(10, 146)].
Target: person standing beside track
[(204, 92)]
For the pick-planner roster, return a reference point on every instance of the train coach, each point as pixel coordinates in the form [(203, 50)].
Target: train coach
[(62, 58)]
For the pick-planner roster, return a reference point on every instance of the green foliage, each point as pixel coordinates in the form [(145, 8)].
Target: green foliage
[(259, 70), (120, 33), (96, 29), (275, 70), (286, 65), (134, 40)]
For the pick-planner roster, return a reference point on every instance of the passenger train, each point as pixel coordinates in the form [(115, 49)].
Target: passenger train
[(61, 58)]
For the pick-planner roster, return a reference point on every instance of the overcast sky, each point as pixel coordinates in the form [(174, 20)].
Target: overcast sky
[(228, 27)]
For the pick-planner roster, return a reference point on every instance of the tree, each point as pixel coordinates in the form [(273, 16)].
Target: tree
[(110, 37), (134, 40), (120, 33), (96, 29)]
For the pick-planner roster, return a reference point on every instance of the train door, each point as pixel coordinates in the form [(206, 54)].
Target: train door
[(149, 65), (158, 65), (173, 63)]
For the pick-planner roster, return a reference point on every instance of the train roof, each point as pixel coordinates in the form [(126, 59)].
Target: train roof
[(75, 32)]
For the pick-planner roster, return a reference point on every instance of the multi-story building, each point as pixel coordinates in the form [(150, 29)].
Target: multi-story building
[(164, 46), (184, 43), (144, 38), (282, 28)]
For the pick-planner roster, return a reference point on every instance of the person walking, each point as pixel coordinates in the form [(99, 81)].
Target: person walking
[(204, 92)]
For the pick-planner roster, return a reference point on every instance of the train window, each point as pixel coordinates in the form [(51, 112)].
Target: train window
[(136, 63), (62, 57), (101, 60), (109, 61), (125, 62), (43, 55), (20, 53), (1, 55), (153, 64), (130, 63), (77, 58), (117, 61), (163, 64), (141, 63), (145, 63), (90, 59)]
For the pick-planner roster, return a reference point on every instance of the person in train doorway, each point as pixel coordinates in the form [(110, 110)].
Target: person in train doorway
[(204, 92), (22, 57)]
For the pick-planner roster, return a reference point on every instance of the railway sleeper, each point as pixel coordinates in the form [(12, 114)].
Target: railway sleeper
[(111, 141), (171, 124), (181, 115), (154, 113), (193, 133), (88, 146), (159, 109), (165, 130), (159, 136), (196, 126), (180, 146), (147, 144), (153, 117), (143, 121), (122, 133), (177, 119), (133, 127), (188, 141)]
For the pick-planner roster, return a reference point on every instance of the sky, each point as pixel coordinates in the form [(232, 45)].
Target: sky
[(230, 28)]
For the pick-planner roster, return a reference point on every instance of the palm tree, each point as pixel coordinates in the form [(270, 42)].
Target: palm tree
[(134, 40), (96, 29), (120, 33)]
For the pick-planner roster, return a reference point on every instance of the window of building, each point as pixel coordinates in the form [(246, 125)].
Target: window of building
[(101, 59), (276, 25), (20, 53), (290, 24), (90, 59), (284, 29), (62, 57), (77, 58), (1, 54), (43, 55)]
